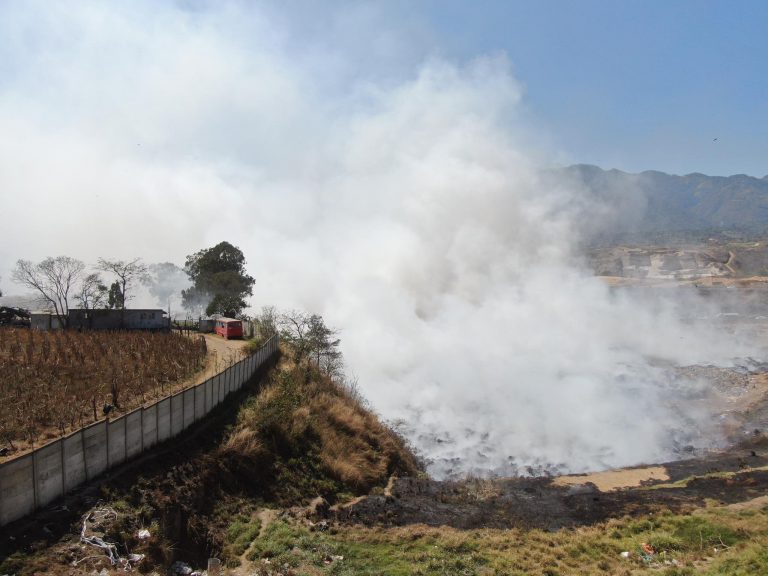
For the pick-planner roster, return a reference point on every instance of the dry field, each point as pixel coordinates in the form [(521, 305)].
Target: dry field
[(53, 382)]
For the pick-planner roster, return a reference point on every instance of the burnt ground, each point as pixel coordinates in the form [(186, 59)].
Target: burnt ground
[(538, 503), (727, 476)]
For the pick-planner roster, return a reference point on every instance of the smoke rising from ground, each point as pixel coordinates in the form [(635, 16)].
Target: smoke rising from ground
[(409, 212)]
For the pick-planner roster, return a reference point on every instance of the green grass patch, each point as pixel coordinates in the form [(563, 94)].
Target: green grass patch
[(714, 541), (239, 536), (683, 482)]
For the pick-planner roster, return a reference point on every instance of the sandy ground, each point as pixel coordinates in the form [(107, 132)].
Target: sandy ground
[(615, 479), (221, 354)]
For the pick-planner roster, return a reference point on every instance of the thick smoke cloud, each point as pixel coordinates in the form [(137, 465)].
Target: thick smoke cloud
[(409, 211)]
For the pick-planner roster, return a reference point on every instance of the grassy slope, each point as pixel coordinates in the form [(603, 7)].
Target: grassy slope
[(306, 435), (714, 541)]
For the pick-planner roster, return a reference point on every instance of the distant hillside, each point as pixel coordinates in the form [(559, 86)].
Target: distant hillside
[(665, 204)]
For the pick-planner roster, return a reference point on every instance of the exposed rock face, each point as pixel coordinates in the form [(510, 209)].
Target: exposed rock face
[(658, 263)]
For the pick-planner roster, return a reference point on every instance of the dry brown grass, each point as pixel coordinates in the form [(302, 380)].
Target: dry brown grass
[(52, 382), (319, 435)]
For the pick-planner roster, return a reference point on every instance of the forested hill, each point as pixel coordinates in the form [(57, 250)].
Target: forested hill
[(668, 204)]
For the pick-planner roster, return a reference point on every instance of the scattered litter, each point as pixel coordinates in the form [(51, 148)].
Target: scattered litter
[(97, 518), (135, 558), (647, 553), (625, 554), (329, 558), (143, 534), (180, 567)]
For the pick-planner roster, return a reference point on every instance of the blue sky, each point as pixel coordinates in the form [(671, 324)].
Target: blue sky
[(633, 84), (630, 84)]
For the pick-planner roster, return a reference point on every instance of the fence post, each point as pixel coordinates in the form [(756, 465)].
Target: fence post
[(106, 425), (63, 469), (85, 458), (34, 477)]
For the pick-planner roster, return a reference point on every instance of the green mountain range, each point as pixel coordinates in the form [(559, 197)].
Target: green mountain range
[(658, 204)]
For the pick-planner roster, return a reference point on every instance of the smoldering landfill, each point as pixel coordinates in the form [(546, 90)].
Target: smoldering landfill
[(419, 216)]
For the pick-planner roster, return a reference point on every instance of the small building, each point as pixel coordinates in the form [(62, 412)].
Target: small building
[(44, 320), (129, 319)]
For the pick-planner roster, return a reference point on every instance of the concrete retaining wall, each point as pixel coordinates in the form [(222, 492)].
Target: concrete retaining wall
[(34, 480)]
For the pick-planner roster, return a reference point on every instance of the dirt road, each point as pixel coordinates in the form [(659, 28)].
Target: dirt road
[(221, 354)]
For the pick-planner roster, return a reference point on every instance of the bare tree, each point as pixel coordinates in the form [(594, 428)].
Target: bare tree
[(294, 326), (127, 272), (311, 339), (266, 322), (53, 280), (92, 293)]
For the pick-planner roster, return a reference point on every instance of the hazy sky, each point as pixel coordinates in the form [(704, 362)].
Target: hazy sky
[(630, 84), (381, 164)]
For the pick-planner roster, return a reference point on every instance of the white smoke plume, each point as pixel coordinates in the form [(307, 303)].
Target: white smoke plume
[(409, 211)]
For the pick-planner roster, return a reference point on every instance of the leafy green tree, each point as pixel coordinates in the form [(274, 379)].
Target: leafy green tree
[(219, 279), (115, 300)]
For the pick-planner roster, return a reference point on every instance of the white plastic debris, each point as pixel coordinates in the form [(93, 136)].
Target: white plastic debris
[(97, 517), (143, 534), (625, 554), (182, 568)]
